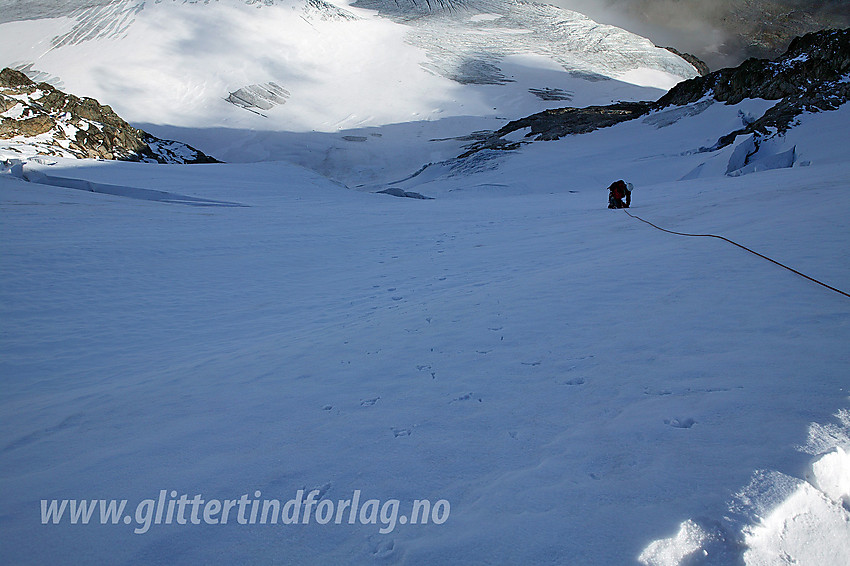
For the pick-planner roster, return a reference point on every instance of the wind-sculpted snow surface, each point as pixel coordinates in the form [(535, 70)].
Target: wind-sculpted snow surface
[(776, 518), (151, 195)]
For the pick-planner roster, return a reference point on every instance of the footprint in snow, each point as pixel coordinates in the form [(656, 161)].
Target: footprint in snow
[(680, 423), (381, 547), (369, 402)]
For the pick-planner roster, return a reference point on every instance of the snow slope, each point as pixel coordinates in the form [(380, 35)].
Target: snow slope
[(582, 388)]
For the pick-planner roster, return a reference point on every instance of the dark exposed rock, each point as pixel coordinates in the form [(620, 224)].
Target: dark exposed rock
[(6, 103), (554, 124), (559, 122), (810, 61), (782, 116), (98, 132)]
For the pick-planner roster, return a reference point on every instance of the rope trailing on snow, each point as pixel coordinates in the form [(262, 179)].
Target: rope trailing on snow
[(791, 269)]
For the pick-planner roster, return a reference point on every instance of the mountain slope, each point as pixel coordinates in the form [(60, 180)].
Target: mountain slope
[(813, 75)]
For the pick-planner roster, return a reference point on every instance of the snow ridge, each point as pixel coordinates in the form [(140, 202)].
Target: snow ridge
[(777, 518)]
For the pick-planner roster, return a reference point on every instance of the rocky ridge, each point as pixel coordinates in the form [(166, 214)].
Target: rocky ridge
[(41, 118), (812, 75)]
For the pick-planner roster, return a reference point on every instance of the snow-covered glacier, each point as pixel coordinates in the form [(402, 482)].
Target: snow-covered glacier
[(333, 66)]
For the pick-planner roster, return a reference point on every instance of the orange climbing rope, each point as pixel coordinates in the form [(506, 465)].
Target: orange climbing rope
[(791, 269)]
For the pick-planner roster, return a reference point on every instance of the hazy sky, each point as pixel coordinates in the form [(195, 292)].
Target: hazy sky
[(721, 32), (666, 22)]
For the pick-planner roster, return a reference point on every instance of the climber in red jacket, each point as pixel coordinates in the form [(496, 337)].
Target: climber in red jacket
[(617, 191)]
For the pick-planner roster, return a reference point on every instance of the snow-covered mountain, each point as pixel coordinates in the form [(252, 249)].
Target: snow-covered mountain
[(310, 64), (811, 76)]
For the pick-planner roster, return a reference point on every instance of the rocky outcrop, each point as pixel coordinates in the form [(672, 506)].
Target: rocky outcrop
[(810, 62), (812, 75), (554, 124), (699, 64), (52, 122), (559, 122)]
